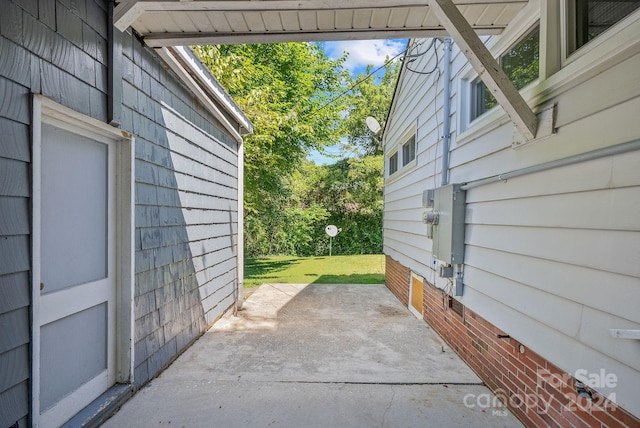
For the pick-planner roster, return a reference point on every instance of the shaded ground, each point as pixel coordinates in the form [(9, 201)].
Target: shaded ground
[(316, 356)]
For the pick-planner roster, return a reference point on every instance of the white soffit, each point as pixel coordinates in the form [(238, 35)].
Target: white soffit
[(192, 22)]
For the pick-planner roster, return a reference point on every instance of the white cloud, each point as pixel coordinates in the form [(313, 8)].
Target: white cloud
[(364, 52)]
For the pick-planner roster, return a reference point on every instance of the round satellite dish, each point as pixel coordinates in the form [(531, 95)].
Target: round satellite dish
[(373, 124), (331, 230)]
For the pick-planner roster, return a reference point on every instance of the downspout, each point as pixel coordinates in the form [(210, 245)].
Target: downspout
[(444, 174), (240, 233)]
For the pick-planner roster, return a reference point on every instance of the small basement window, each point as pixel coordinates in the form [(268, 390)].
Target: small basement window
[(521, 64)]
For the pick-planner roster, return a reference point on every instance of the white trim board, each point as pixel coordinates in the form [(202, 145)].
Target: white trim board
[(47, 111)]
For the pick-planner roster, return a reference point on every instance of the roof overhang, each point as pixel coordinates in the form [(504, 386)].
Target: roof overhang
[(184, 62), (180, 22), (192, 22)]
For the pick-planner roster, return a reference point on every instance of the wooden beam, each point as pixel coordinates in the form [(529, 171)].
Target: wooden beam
[(126, 12), (486, 66)]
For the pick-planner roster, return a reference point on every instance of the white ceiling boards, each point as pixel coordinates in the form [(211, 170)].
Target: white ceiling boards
[(180, 22)]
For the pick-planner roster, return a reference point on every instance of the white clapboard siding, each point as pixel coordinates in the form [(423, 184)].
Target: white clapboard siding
[(617, 209), (578, 137), (612, 251), (552, 258), (564, 351), (567, 281), (604, 173), (581, 98)]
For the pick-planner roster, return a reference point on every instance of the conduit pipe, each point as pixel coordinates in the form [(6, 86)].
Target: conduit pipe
[(446, 125), (582, 157)]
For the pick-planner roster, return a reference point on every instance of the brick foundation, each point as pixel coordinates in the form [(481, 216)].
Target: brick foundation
[(536, 391)]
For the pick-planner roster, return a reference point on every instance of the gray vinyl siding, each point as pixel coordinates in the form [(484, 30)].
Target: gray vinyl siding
[(551, 258), (185, 255)]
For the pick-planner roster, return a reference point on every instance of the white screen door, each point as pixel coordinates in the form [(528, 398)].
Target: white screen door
[(78, 275)]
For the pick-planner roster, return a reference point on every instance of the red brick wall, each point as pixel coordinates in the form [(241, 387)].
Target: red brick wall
[(397, 279), (538, 392)]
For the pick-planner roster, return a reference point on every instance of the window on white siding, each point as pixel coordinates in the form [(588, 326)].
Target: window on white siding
[(393, 163), (520, 63), (587, 19), (409, 150)]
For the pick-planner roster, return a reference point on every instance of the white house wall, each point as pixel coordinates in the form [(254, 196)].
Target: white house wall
[(552, 258)]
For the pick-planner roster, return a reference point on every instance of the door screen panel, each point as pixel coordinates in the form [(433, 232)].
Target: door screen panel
[(73, 350), (74, 209)]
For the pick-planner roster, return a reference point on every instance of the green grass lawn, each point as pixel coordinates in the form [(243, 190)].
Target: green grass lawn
[(360, 269)]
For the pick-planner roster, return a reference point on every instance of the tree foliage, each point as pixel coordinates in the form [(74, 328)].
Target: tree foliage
[(283, 88), (371, 96), (295, 97)]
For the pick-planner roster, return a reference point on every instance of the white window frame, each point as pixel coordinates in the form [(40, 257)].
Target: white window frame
[(47, 111), (406, 163), (403, 168), (567, 25), (469, 129)]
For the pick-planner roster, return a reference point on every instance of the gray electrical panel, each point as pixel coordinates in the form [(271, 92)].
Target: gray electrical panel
[(445, 223)]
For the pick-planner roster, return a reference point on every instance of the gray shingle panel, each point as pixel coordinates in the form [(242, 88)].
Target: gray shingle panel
[(16, 62), (14, 140), (14, 215), (10, 22), (98, 103), (15, 329), (63, 52), (15, 254), (69, 24), (141, 373), (47, 13), (14, 404), (14, 178), (96, 17), (15, 364), (65, 89), (14, 291), (85, 68), (14, 104), (30, 6)]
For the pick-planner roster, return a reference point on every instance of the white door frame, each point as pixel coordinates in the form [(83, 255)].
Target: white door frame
[(48, 111)]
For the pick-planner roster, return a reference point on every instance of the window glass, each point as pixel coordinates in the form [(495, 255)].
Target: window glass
[(409, 150), (393, 163), (521, 64), (590, 18)]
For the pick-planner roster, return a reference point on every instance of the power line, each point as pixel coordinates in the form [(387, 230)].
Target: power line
[(352, 87)]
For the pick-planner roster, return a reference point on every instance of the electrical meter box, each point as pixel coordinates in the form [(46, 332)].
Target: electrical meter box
[(445, 223)]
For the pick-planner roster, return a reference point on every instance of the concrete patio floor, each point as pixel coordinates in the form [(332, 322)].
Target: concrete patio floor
[(316, 356)]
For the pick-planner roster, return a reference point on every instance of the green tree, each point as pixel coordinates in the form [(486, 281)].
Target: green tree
[(371, 96), (285, 90)]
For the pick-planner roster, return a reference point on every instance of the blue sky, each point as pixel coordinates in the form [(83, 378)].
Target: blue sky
[(361, 53)]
